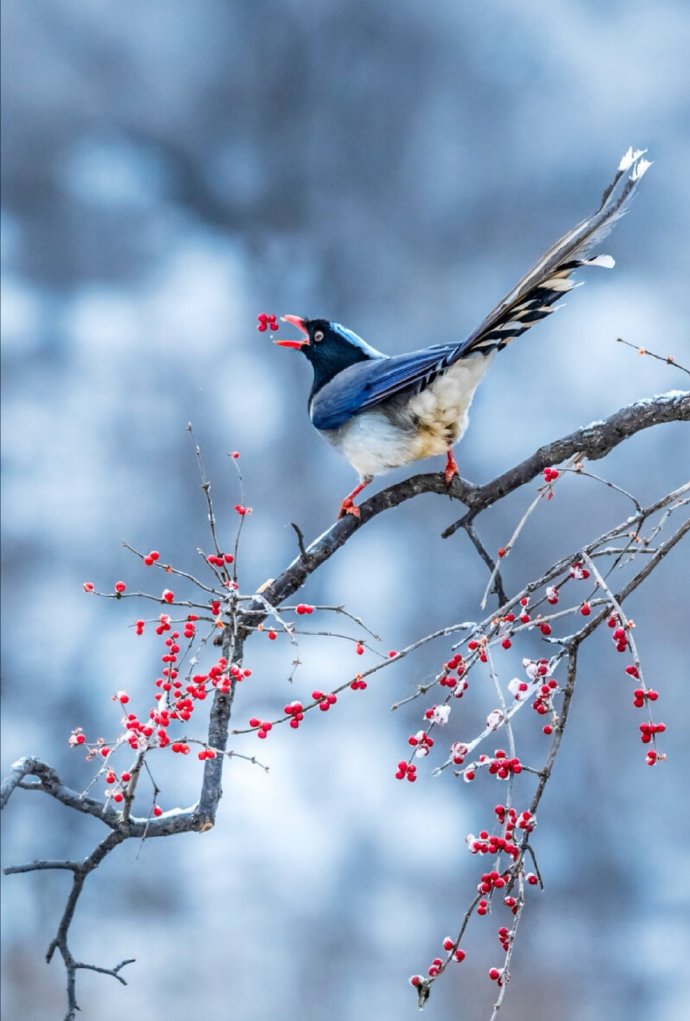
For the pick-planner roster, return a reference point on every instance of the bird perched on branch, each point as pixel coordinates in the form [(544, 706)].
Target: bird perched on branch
[(382, 412)]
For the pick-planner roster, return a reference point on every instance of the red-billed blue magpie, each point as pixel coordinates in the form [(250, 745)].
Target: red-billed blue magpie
[(382, 412)]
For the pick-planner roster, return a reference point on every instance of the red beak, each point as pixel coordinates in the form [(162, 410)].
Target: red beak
[(300, 324)]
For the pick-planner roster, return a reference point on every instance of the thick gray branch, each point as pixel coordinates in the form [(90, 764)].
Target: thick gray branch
[(594, 441)]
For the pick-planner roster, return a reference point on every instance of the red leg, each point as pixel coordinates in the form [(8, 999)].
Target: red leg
[(451, 467), (348, 505)]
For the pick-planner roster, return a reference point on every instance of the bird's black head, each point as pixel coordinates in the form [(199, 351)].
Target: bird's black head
[(329, 347)]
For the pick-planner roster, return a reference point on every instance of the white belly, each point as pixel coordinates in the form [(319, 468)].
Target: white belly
[(428, 424)]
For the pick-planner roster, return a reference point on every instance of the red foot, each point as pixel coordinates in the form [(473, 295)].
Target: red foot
[(348, 506), (451, 468)]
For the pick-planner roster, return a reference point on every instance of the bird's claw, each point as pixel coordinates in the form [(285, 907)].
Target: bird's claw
[(451, 468), (348, 506)]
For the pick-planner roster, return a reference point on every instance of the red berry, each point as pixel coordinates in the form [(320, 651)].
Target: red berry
[(120, 586)]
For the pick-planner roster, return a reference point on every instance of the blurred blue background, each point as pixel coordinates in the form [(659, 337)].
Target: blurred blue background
[(171, 169)]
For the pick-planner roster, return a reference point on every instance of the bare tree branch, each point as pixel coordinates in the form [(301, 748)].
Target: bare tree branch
[(594, 441), (243, 615)]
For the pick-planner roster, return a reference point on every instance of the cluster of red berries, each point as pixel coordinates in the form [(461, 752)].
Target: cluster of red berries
[(479, 646), (151, 557), (542, 703), (263, 726), (456, 954), (303, 608), (220, 560), (421, 742), (295, 710), (648, 730), (488, 843), (458, 751), (502, 767), (449, 944), (550, 474), (325, 701), (111, 777), (578, 572), (640, 696), (163, 624), (406, 771), (619, 637), (525, 821), (267, 322), (447, 680), (359, 684), (492, 881)]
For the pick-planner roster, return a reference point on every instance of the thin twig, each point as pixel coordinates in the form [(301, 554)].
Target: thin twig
[(669, 359)]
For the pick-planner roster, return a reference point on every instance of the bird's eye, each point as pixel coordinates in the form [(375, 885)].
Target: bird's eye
[(318, 336)]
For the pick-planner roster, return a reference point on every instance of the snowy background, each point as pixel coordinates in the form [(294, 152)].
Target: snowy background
[(173, 168)]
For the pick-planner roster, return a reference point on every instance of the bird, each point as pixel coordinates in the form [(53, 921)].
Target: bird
[(383, 412)]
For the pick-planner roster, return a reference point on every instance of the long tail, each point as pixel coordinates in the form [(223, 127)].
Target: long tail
[(534, 296)]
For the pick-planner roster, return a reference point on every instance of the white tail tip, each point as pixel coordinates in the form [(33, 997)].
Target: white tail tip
[(631, 156)]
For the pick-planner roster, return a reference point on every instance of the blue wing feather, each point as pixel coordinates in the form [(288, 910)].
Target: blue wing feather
[(366, 384)]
